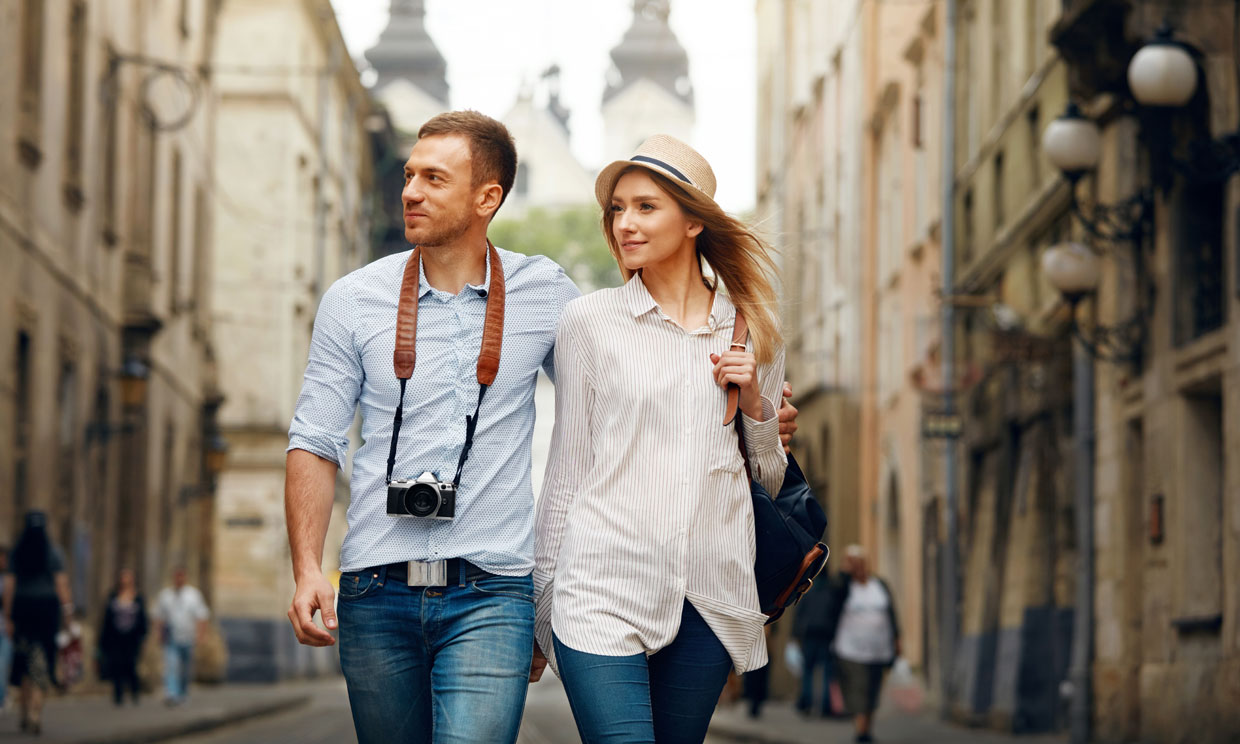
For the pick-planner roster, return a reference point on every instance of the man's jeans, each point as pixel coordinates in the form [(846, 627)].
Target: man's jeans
[(6, 660), (816, 652), (178, 664), (443, 664)]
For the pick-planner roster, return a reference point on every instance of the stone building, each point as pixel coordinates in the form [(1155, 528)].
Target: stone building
[(108, 385), (1166, 646), (290, 178), (648, 88), (811, 62), (1017, 542)]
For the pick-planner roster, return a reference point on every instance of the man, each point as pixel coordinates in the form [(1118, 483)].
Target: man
[(6, 643), (181, 621), (435, 615), (813, 627), (867, 637)]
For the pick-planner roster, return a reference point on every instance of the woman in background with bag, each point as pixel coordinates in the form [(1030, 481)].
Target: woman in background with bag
[(644, 555), (36, 602)]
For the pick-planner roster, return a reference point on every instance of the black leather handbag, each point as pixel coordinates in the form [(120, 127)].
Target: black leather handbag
[(788, 527)]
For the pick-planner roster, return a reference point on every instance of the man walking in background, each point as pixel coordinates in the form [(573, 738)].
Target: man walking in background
[(181, 619)]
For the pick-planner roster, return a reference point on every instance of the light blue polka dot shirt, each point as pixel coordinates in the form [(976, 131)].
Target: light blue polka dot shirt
[(350, 364)]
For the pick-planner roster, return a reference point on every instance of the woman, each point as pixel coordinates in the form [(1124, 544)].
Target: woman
[(35, 593), (120, 640), (867, 638), (644, 541)]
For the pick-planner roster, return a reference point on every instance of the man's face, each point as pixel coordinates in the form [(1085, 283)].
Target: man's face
[(439, 202), (178, 578)]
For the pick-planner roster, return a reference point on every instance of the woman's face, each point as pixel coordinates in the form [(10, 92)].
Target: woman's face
[(125, 579), (650, 226)]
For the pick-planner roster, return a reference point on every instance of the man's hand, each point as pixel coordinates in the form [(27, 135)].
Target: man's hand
[(537, 664), (313, 593), (787, 418)]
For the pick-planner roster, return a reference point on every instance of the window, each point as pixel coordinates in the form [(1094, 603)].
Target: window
[(76, 104), (966, 235), (1033, 121), (174, 238), (1000, 193), (1200, 304), (999, 57), (110, 113), (22, 406), (30, 91), (66, 498), (522, 185), (1200, 493), (198, 232)]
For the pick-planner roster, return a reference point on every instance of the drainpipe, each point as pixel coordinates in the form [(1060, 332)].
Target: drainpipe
[(1083, 487), (950, 597)]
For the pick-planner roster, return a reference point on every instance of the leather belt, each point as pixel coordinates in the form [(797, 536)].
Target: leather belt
[(399, 572)]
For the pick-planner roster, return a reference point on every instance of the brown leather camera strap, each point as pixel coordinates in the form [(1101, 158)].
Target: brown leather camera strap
[(405, 356)]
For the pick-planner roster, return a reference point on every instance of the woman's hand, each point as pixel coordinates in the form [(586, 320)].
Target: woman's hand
[(741, 369)]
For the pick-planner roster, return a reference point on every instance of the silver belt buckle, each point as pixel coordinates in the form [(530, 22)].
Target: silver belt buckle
[(427, 573)]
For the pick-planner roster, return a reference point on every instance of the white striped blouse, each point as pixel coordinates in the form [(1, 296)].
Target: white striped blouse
[(645, 502)]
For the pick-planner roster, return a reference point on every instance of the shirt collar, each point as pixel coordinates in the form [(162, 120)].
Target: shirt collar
[(641, 302), (479, 289)]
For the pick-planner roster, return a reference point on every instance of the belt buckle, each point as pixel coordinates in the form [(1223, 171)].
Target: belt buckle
[(427, 573)]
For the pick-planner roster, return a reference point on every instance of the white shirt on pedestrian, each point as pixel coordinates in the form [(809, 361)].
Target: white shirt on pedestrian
[(865, 634), (646, 502), (180, 610)]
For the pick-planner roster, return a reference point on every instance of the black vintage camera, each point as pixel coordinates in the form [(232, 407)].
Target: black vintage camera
[(426, 497)]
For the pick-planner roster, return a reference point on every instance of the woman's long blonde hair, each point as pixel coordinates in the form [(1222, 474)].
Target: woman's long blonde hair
[(737, 257)]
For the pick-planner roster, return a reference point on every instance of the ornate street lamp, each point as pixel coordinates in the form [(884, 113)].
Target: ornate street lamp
[(1162, 73), (134, 375), (216, 456), (1075, 271)]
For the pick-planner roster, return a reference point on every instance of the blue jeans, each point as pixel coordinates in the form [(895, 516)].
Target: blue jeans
[(6, 660), (668, 697), (816, 653), (178, 662), (443, 664)]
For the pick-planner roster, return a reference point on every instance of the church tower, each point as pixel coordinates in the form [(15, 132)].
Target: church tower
[(648, 88), (413, 81)]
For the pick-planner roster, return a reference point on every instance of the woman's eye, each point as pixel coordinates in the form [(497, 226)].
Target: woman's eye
[(616, 209), (647, 207)]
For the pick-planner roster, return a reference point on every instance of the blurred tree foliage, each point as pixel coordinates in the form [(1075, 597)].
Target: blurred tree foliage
[(571, 237)]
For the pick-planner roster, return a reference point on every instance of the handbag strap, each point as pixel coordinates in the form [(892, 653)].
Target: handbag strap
[(740, 333)]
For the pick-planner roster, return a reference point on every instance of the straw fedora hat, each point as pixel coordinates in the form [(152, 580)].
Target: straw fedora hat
[(666, 156)]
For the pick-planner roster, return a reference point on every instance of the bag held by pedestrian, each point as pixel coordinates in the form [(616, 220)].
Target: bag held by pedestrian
[(788, 526)]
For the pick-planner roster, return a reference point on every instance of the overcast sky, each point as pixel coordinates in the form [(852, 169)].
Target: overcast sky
[(493, 45)]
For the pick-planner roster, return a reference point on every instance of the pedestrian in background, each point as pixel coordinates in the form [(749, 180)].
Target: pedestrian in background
[(814, 628), (6, 643), (867, 638), (121, 636), (181, 615), (36, 603)]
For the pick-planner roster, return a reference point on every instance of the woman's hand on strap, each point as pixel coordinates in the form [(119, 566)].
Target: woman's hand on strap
[(741, 369)]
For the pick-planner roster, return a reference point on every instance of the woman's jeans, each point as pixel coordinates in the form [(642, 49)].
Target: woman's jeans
[(668, 697), (6, 660), (436, 664), (817, 654)]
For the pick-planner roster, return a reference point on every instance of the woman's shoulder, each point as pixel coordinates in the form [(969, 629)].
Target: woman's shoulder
[(597, 304)]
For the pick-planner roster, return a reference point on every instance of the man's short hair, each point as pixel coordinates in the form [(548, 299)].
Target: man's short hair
[(493, 153)]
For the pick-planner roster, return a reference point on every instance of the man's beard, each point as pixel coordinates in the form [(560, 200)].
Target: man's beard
[(444, 231)]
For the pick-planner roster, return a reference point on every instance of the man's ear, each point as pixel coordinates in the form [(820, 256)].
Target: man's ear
[(489, 198)]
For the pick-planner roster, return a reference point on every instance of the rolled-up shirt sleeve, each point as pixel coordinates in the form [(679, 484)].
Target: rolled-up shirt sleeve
[(767, 459), (333, 380)]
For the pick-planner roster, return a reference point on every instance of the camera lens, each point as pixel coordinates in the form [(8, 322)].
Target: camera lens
[(422, 500)]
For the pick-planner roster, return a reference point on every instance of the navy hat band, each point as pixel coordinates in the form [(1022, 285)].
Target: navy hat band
[(663, 165)]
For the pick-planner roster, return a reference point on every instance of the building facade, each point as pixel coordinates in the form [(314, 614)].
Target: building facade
[(290, 178), (109, 381), (1166, 644), (811, 62)]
